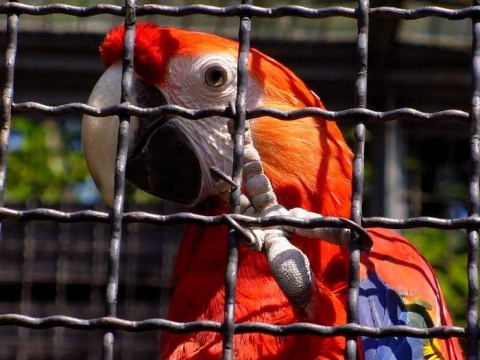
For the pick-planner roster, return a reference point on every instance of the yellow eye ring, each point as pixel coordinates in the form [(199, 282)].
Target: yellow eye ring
[(216, 76)]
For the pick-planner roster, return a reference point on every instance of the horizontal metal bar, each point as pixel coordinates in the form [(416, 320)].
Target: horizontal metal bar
[(422, 221), (124, 109), (45, 214), (113, 323), (107, 323), (245, 10), (425, 11), (151, 9), (242, 10), (364, 114), (196, 114)]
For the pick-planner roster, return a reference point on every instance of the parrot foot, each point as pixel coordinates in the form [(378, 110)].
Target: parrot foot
[(289, 265)]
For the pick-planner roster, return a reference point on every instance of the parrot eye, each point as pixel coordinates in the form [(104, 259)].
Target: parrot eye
[(216, 76)]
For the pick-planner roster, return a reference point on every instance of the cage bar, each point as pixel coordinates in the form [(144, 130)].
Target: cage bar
[(474, 199), (358, 171), (119, 188), (238, 137), (7, 98)]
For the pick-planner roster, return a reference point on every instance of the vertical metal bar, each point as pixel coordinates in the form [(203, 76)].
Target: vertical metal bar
[(474, 198), (99, 246), (238, 159), (7, 99), (6, 113), (358, 171), (61, 280), (119, 191), (27, 278)]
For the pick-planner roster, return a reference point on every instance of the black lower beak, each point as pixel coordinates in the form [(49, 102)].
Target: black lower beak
[(161, 160), (165, 165)]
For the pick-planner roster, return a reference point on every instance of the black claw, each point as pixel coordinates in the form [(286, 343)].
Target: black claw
[(219, 174), (247, 237)]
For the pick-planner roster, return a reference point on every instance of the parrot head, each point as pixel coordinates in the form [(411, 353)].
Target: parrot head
[(171, 157)]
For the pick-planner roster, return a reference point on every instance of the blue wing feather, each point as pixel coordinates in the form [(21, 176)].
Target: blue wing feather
[(381, 306)]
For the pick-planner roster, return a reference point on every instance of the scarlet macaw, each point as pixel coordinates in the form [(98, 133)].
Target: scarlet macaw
[(309, 166)]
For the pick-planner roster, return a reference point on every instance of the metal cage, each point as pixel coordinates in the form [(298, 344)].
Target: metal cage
[(113, 326)]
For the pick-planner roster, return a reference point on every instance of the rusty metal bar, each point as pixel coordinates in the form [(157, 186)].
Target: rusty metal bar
[(238, 137), (7, 98), (243, 10), (119, 188), (42, 214), (197, 114), (358, 172), (240, 11), (115, 323), (472, 346)]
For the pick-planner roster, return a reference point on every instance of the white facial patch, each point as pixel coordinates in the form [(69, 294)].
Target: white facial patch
[(209, 80), (187, 85)]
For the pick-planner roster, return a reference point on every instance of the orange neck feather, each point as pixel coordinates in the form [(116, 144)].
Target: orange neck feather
[(308, 164)]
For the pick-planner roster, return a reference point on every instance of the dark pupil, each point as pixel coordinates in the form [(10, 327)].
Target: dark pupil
[(216, 76)]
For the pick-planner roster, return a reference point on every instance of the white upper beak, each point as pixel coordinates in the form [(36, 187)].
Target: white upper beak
[(99, 134)]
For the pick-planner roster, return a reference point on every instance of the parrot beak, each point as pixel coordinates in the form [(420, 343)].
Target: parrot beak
[(99, 135), (161, 159)]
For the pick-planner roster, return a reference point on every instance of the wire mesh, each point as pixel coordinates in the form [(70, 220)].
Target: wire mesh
[(245, 11)]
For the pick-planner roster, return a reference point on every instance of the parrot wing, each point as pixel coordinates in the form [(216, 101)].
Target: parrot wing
[(381, 306), (398, 287)]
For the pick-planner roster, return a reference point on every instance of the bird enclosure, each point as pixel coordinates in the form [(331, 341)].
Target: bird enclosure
[(80, 280)]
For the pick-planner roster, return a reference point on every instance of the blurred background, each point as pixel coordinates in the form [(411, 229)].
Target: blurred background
[(412, 169)]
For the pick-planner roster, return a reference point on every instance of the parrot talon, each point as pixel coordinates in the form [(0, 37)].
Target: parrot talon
[(218, 174), (230, 123), (233, 109), (247, 236), (365, 241)]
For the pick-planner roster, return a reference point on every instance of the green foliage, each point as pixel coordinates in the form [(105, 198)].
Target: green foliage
[(42, 165), (446, 252), (46, 165)]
